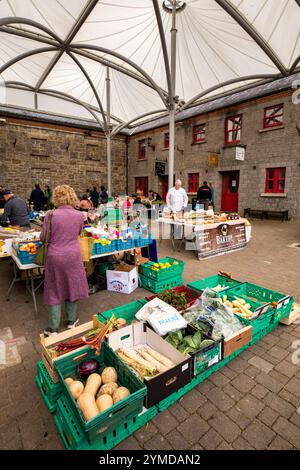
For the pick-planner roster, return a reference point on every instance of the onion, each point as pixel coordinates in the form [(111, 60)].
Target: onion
[(88, 367)]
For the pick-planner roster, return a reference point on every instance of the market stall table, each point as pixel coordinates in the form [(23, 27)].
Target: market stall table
[(30, 278), (209, 239)]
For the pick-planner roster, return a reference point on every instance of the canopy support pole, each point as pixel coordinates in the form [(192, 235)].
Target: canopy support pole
[(172, 103), (108, 133)]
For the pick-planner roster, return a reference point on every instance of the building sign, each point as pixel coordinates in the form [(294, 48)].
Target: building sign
[(240, 153), (160, 168), (223, 238), (213, 160)]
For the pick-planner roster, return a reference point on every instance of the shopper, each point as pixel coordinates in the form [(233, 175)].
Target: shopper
[(48, 197), (177, 199), (85, 203), (136, 199), (65, 277), (94, 195), (103, 195), (37, 198), (204, 195), (2, 200), (212, 190), (155, 197), (15, 211)]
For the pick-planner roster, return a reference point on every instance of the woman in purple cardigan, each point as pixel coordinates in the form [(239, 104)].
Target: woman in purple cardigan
[(65, 277)]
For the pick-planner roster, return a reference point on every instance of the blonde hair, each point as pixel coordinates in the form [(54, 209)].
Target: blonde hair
[(64, 195)]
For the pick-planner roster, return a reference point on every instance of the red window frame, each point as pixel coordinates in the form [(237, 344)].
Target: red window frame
[(275, 180), (142, 149), (272, 119), (199, 134), (166, 140), (193, 182), (141, 183), (231, 134)]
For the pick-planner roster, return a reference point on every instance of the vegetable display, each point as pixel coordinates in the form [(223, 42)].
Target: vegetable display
[(189, 343), (176, 299), (145, 361), (159, 266), (100, 392), (238, 306)]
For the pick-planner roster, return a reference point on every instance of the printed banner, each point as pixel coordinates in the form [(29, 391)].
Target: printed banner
[(222, 239)]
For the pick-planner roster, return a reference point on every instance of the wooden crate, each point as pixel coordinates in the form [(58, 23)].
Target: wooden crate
[(49, 357), (237, 341)]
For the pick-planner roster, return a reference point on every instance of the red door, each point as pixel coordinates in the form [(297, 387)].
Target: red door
[(164, 186), (230, 191)]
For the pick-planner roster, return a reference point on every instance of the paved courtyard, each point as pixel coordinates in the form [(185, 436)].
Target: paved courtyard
[(252, 403)]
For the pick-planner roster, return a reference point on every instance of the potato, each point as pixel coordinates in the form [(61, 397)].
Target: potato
[(120, 394), (107, 389), (108, 375)]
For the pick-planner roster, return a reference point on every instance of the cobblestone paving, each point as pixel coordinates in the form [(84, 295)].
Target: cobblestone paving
[(252, 403)]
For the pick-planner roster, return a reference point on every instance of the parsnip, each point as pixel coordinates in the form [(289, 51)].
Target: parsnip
[(159, 366), (248, 306), (139, 360), (159, 357)]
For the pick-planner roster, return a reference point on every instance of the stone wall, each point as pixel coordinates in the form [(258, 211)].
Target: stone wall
[(277, 147), (42, 153)]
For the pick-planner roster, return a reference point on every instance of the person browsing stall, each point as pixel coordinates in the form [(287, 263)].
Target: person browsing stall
[(65, 277), (204, 195), (15, 211), (37, 198), (177, 199)]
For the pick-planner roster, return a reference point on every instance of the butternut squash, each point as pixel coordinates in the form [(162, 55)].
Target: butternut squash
[(93, 383), (104, 402), (76, 389), (69, 380), (87, 404)]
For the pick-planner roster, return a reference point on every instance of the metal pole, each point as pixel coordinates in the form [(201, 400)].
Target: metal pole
[(108, 134), (172, 104)]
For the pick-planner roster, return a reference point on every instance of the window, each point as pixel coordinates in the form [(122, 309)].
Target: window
[(166, 140), (275, 180), (193, 182), (141, 184), (199, 133), (233, 128), (142, 149), (273, 116)]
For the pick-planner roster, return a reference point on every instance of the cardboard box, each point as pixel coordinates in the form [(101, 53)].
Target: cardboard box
[(293, 316), (237, 340), (124, 279), (165, 383)]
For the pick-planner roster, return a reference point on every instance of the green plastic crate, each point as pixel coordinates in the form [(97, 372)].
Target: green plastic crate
[(50, 405), (123, 410), (214, 281), (163, 274), (126, 311), (50, 391), (160, 286), (74, 439), (171, 399), (205, 356), (258, 336)]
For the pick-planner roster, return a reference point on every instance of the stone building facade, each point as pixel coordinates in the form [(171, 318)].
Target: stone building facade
[(35, 152), (274, 147)]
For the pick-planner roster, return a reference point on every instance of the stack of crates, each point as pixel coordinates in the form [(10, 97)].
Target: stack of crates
[(157, 280)]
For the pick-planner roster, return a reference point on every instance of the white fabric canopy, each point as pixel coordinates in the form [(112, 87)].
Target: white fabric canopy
[(221, 45)]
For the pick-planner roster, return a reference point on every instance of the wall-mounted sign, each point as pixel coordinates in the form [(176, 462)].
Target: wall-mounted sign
[(160, 168), (240, 153), (213, 160)]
